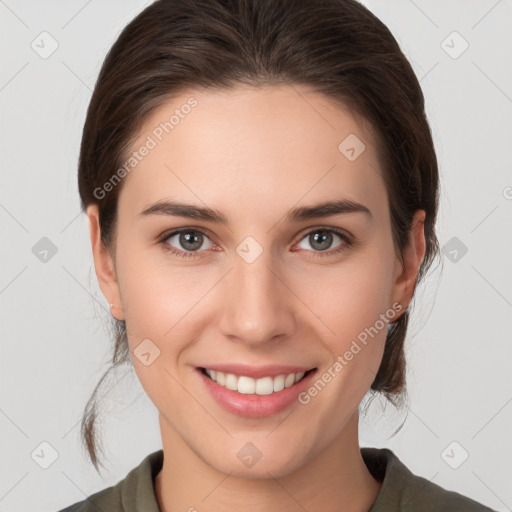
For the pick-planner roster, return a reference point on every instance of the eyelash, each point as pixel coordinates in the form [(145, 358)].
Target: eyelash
[(193, 254)]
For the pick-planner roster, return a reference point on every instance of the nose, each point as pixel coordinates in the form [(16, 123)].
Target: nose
[(258, 304)]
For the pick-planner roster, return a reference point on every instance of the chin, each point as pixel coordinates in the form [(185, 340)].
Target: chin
[(252, 460)]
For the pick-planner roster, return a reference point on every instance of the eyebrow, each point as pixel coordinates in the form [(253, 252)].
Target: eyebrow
[(298, 214)]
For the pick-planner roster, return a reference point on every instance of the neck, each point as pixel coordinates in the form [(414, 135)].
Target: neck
[(337, 475)]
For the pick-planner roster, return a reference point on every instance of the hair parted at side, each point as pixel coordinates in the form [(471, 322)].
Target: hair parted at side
[(335, 47)]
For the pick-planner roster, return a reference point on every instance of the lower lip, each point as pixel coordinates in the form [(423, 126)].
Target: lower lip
[(255, 406)]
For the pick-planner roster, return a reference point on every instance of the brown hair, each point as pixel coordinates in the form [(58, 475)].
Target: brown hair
[(337, 47)]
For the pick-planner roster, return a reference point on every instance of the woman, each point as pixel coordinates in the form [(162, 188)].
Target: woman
[(262, 188)]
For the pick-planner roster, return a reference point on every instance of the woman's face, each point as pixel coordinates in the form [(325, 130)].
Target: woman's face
[(270, 286)]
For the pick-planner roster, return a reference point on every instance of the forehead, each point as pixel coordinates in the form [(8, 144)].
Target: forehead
[(255, 144)]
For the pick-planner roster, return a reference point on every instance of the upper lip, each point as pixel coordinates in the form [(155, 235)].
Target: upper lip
[(257, 372)]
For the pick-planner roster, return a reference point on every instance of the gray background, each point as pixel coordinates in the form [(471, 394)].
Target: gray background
[(54, 342)]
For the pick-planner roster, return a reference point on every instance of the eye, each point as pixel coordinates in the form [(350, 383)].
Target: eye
[(188, 240), (322, 238)]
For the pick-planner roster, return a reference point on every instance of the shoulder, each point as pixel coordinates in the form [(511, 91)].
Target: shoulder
[(133, 493), (106, 499), (403, 490)]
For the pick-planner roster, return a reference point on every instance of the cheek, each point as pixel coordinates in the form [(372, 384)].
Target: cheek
[(153, 296), (351, 297), (152, 307), (158, 313), (164, 304), (354, 304)]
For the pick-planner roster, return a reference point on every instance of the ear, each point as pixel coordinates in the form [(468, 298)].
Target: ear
[(103, 264), (406, 274)]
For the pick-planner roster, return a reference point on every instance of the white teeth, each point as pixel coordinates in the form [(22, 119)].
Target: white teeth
[(289, 381), (279, 383), (231, 382), (246, 385), (265, 386), (249, 386)]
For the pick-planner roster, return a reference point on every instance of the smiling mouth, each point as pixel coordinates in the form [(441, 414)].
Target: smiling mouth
[(249, 386)]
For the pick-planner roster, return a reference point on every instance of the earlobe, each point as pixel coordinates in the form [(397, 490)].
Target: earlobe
[(406, 274), (103, 264)]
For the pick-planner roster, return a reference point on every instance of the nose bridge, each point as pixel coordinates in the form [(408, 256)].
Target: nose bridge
[(258, 306)]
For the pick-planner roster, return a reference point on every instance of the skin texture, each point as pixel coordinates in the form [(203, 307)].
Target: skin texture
[(254, 153)]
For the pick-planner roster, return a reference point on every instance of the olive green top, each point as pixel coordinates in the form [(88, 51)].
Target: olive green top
[(401, 489)]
